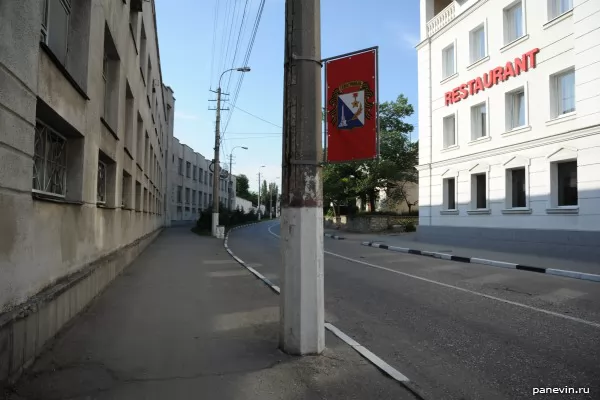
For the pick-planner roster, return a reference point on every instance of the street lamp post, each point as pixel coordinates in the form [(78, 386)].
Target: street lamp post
[(259, 182), (271, 201), (231, 173), (216, 171)]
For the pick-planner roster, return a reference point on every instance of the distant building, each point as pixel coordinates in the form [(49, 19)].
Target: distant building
[(243, 204), (191, 185), (509, 123)]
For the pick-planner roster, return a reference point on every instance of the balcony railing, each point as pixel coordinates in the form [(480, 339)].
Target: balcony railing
[(442, 19)]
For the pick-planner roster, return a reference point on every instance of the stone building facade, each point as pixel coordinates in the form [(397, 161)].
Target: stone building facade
[(85, 123), (191, 184)]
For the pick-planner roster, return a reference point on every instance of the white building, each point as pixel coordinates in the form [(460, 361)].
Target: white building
[(191, 184), (509, 124), (243, 204)]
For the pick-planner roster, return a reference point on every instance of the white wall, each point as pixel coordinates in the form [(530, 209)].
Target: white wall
[(572, 40)]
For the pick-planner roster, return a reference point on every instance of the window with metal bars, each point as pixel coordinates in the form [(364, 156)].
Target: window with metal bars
[(49, 161)]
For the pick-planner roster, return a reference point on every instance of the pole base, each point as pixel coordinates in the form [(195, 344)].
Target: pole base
[(215, 223)]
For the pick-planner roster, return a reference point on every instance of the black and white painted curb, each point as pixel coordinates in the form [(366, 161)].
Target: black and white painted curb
[(336, 237), (491, 263), (363, 351)]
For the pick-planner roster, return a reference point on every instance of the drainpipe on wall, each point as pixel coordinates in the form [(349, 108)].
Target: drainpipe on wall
[(430, 133)]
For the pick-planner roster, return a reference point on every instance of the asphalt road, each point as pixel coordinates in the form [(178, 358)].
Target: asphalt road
[(459, 331)]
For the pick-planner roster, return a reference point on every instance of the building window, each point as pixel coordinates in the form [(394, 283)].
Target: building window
[(180, 167), (110, 76), (129, 118), (101, 183), (450, 194), (515, 109), (450, 131), (477, 43), (205, 177), (448, 62), (187, 195), (478, 121), (143, 52), (479, 191), (179, 194), (211, 179), (513, 22), (149, 78), (562, 89), (188, 169), (517, 189), (49, 161), (138, 196), (126, 198), (133, 23), (195, 172), (558, 7), (200, 174), (566, 183), (55, 26)]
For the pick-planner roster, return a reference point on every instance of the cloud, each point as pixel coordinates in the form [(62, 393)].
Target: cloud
[(182, 115)]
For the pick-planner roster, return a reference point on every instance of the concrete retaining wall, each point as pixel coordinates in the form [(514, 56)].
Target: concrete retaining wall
[(368, 223), (25, 330)]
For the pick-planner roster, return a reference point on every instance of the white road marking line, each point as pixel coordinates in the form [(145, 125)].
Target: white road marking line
[(218, 262), (514, 303)]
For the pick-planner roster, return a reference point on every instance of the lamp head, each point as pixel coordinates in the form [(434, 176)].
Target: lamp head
[(243, 69), (245, 148)]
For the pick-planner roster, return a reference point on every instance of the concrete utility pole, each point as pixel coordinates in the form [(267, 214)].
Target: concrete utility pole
[(229, 189), (216, 166), (302, 310), (259, 188)]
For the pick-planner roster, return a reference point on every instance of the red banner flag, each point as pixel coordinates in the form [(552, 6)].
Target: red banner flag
[(351, 106)]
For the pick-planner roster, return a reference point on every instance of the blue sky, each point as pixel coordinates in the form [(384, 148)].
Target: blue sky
[(189, 66)]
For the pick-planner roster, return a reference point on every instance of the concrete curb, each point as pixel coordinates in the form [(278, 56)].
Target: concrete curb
[(336, 237), (363, 351), (491, 263)]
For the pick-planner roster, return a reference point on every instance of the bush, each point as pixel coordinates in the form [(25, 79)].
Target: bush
[(409, 226), (227, 218)]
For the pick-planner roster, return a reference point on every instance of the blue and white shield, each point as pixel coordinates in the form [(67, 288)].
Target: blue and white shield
[(351, 113)]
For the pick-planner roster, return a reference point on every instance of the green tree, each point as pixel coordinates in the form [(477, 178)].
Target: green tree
[(243, 187), (396, 163)]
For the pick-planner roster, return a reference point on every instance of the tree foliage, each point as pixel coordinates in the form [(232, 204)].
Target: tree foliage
[(396, 164), (243, 187)]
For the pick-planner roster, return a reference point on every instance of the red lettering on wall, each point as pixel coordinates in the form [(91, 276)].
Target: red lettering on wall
[(508, 70), (495, 76), (478, 85), (521, 65), (464, 93), (449, 98), (487, 80)]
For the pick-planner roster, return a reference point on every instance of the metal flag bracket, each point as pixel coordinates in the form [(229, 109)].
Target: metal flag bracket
[(295, 57), (307, 162)]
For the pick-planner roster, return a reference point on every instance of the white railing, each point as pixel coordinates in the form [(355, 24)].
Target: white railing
[(442, 19)]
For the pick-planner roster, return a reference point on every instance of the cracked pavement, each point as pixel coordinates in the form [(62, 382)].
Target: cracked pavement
[(186, 321)]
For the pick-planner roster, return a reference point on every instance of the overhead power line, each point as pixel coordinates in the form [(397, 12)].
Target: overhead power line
[(255, 116)]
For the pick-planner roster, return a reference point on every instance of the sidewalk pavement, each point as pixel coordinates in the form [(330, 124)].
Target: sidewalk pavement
[(409, 240), (186, 321)]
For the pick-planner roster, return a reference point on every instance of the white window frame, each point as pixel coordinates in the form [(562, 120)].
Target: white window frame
[(474, 126), (444, 141), (479, 169), (101, 183), (482, 26), (454, 61), (555, 94), (506, 11), (449, 174), (508, 102), (46, 162), (553, 9), (516, 162)]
